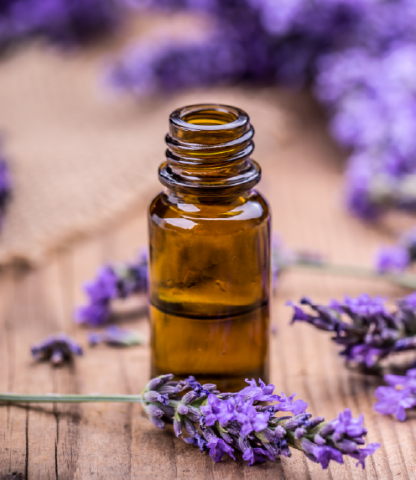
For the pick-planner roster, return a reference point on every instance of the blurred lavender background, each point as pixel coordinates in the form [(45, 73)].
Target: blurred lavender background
[(357, 56)]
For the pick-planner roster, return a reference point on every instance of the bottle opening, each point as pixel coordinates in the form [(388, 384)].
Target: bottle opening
[(208, 117), (203, 116)]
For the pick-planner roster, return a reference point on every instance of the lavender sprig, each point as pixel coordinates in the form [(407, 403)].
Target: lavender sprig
[(56, 348), (364, 326), (112, 282), (223, 423)]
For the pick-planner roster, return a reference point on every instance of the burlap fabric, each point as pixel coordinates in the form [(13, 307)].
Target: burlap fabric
[(80, 157)]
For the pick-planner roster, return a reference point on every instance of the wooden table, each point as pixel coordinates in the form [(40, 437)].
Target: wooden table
[(303, 182)]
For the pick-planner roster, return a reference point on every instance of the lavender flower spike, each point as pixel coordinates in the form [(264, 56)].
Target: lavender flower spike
[(249, 426), (364, 326), (56, 348), (222, 424), (112, 282)]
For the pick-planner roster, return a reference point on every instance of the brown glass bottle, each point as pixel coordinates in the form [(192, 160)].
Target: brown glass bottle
[(209, 236)]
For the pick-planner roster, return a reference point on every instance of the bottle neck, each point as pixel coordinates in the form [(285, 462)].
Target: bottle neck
[(208, 152)]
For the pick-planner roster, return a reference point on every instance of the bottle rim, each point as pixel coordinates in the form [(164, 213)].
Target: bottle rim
[(188, 117)]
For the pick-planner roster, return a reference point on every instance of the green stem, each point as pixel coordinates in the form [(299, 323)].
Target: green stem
[(403, 279), (57, 398)]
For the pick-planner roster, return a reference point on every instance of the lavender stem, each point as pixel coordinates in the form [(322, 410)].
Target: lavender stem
[(57, 398), (403, 279)]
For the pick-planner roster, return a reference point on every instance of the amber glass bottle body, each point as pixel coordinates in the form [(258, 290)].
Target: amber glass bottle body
[(209, 236)]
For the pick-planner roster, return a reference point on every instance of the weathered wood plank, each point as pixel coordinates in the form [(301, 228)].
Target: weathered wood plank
[(13, 420), (103, 440)]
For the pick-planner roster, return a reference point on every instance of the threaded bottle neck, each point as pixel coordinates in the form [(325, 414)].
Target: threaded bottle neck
[(208, 151)]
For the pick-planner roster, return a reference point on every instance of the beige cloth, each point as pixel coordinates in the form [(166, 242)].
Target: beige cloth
[(81, 157)]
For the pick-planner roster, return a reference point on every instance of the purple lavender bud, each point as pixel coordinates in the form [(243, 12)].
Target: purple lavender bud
[(182, 409), (269, 434), (153, 396), (153, 411), (319, 440), (168, 390), (348, 446), (168, 410), (190, 427), (177, 427), (321, 454), (189, 397), (313, 422), (209, 386), (209, 433), (157, 422), (233, 429), (194, 414), (154, 383), (280, 432), (327, 429), (300, 432), (291, 424)]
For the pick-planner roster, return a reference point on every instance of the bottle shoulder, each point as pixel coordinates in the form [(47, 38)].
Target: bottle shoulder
[(244, 211)]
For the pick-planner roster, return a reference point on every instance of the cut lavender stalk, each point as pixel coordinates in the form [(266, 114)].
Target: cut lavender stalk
[(56, 348), (364, 326), (116, 336), (223, 423), (112, 282)]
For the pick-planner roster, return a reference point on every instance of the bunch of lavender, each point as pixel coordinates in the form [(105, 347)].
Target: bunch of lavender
[(358, 54), (112, 282), (221, 423), (66, 22), (364, 326), (370, 96), (257, 41)]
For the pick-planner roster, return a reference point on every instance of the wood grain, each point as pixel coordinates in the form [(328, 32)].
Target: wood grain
[(303, 181)]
